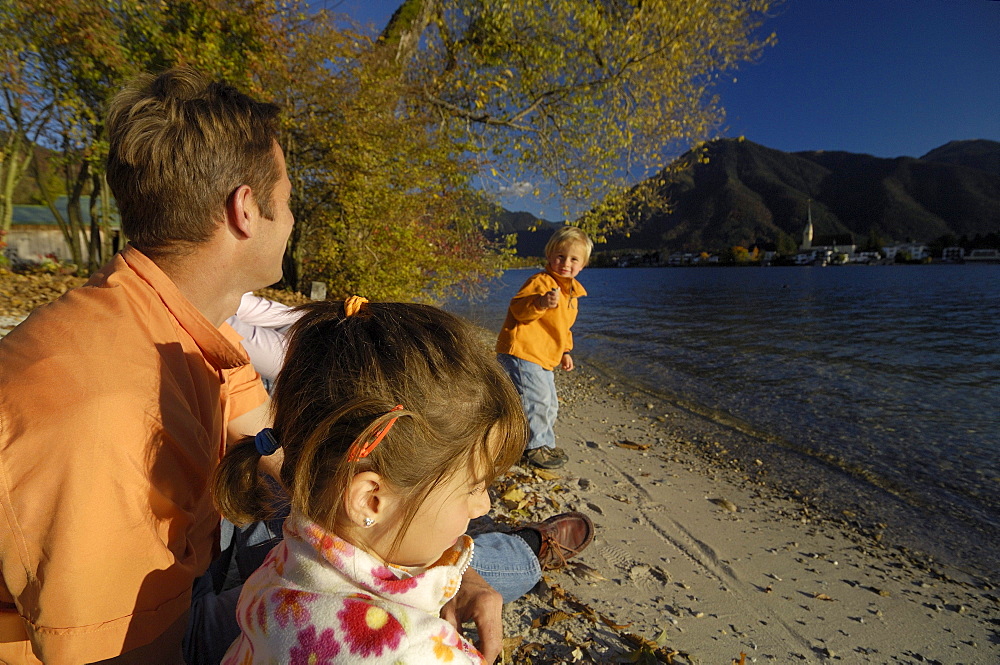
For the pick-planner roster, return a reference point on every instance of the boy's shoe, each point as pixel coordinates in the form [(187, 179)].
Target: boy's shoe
[(563, 537), (545, 457)]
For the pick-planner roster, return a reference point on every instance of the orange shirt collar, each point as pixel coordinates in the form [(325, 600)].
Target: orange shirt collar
[(217, 349), (569, 284)]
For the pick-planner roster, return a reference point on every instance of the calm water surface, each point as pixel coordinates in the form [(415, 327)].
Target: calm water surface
[(875, 388)]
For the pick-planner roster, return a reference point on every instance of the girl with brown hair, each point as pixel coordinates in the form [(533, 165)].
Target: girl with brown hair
[(393, 420)]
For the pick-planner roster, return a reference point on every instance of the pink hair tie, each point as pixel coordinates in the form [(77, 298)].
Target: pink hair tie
[(353, 305), (361, 451)]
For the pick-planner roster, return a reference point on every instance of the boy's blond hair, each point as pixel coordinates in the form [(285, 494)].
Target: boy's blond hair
[(570, 235)]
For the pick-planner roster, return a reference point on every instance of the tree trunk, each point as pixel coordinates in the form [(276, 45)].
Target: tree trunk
[(75, 215), (109, 233), (101, 239), (72, 239), (15, 160), (94, 258)]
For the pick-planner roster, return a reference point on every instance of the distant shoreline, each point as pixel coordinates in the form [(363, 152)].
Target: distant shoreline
[(883, 263)]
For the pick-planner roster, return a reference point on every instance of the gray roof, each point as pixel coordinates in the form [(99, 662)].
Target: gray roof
[(39, 215)]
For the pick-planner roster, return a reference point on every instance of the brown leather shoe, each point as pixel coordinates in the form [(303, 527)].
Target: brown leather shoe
[(563, 537)]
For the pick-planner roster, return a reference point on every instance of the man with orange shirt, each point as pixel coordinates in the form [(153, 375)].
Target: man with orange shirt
[(119, 398)]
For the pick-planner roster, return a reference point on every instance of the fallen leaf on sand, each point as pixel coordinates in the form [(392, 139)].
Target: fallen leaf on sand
[(557, 592), (615, 626), (632, 445), (514, 498), (550, 619), (647, 650), (546, 475), (525, 651), (583, 571), (510, 644), (726, 504)]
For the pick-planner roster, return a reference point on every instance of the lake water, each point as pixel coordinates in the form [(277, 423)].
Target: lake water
[(871, 389)]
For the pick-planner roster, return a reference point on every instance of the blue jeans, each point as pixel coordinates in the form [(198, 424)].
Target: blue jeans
[(507, 563), (212, 623), (504, 560), (537, 388)]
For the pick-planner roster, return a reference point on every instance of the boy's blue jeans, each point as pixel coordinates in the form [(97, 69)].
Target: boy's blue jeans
[(504, 560), (537, 388)]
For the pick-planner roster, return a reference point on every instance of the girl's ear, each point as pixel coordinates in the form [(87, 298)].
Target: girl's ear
[(367, 499)]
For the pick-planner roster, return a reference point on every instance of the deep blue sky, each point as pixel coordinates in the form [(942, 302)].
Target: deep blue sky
[(884, 77)]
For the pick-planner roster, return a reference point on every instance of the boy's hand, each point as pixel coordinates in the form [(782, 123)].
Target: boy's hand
[(549, 300), (567, 362)]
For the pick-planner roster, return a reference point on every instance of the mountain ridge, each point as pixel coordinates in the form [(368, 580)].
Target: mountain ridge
[(748, 194)]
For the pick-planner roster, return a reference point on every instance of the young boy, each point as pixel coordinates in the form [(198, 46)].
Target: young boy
[(536, 337)]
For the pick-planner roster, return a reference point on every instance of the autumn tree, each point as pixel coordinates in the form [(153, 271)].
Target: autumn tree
[(76, 59), (786, 244), (383, 199), (73, 55), (736, 254), (588, 96), (23, 113)]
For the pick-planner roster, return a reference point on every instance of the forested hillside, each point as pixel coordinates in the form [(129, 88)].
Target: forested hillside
[(743, 193), (747, 194)]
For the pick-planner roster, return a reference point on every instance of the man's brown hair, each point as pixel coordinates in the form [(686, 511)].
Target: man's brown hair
[(180, 144)]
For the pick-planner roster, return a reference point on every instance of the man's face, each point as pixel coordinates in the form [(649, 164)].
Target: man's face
[(274, 232)]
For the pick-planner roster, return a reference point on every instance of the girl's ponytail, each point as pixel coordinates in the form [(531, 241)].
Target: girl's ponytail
[(241, 494)]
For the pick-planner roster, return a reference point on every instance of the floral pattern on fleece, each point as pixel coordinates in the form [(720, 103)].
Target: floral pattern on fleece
[(318, 600)]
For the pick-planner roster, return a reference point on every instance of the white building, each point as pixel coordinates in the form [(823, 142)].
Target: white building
[(984, 255), (912, 251), (955, 254)]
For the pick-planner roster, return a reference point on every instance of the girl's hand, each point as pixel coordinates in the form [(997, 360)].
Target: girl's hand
[(481, 604), (567, 362)]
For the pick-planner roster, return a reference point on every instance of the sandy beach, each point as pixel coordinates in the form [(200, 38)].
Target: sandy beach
[(699, 559)]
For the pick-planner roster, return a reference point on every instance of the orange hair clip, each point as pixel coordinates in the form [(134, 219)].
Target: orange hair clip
[(353, 305), (361, 451)]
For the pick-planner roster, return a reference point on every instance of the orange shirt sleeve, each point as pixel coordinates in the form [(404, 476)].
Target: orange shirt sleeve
[(522, 305)]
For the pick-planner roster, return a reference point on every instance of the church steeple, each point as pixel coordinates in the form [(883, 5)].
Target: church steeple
[(807, 234)]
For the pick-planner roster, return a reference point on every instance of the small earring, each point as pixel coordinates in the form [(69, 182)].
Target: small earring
[(369, 521)]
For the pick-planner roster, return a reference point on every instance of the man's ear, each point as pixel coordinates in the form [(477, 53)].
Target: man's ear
[(366, 498), (241, 211)]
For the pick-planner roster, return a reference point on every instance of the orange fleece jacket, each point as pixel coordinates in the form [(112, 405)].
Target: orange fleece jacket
[(541, 335)]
